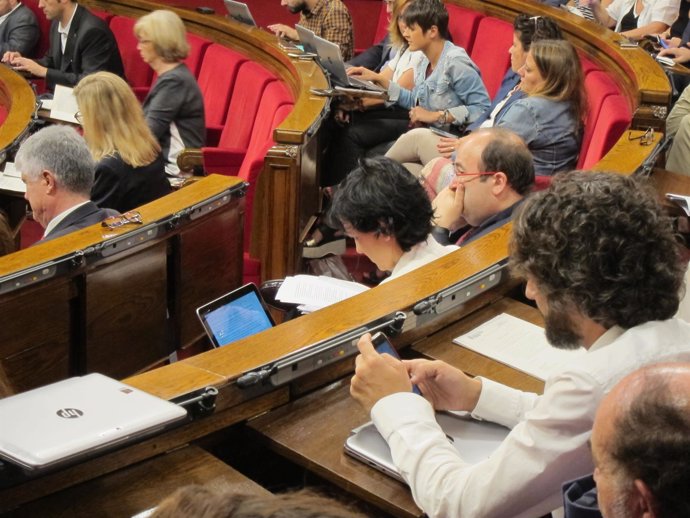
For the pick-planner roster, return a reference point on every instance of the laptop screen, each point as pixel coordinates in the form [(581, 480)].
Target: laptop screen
[(234, 316)]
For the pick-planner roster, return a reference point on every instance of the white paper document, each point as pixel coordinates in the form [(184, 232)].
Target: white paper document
[(10, 179), (312, 292), (64, 106), (519, 344)]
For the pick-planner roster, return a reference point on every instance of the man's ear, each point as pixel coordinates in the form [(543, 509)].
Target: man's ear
[(500, 183), (643, 500), (49, 179)]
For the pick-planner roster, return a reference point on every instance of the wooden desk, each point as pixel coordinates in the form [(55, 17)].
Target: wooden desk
[(311, 431), (141, 486)]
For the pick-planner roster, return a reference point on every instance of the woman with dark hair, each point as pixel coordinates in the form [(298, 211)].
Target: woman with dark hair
[(418, 147), (386, 211)]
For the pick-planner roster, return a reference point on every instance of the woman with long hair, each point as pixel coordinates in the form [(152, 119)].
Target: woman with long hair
[(130, 169)]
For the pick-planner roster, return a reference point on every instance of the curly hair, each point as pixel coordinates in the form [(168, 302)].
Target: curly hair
[(599, 243), (382, 196), (652, 444)]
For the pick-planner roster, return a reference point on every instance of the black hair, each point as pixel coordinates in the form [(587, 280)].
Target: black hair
[(426, 14), (507, 153), (535, 28)]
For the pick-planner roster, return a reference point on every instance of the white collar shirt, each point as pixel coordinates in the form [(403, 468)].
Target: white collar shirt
[(57, 219), (419, 255), (64, 31)]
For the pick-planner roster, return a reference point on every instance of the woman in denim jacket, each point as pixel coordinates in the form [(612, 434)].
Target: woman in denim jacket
[(550, 117), (448, 89)]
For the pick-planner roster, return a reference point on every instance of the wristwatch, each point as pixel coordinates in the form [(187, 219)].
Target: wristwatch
[(443, 118)]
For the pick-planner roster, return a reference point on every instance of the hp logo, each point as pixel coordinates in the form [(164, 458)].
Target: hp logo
[(69, 413)]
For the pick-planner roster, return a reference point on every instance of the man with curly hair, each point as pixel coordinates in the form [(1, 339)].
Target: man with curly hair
[(640, 447), (601, 261)]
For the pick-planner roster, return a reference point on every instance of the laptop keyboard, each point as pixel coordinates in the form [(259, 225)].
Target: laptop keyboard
[(364, 85)]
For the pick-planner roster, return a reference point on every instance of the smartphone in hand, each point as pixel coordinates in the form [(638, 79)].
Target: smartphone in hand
[(384, 346)]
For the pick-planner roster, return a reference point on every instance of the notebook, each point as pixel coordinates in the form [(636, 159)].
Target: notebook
[(331, 59), (474, 440), (235, 315), (76, 418), (240, 12)]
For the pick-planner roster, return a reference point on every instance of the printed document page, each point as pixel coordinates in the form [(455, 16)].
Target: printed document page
[(519, 344), (314, 293)]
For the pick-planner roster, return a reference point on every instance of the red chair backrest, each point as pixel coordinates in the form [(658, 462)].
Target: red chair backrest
[(382, 28), (614, 118), (462, 25), (197, 48), (217, 79), (138, 73), (490, 51), (598, 86), (251, 81), (103, 15), (43, 25)]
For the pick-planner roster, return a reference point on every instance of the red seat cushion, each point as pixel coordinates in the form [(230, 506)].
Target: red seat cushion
[(138, 73), (197, 48), (217, 88), (490, 51), (614, 118), (598, 86), (462, 25)]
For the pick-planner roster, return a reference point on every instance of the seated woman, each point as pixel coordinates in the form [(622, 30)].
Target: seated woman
[(130, 170), (447, 88), (386, 211), (419, 146), (174, 108), (635, 19), (549, 115)]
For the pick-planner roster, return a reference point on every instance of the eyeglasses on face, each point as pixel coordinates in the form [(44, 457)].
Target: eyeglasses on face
[(114, 222)]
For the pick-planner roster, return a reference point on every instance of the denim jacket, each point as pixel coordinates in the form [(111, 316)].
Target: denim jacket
[(454, 85), (549, 130)]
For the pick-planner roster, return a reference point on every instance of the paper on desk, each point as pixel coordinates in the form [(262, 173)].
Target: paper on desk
[(519, 344), (313, 292), (10, 180), (64, 105)]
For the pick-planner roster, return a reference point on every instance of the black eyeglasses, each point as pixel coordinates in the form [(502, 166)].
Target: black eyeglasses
[(646, 139), (114, 222)]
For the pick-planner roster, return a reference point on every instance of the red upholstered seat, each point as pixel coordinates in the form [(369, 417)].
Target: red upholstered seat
[(587, 64), (197, 48), (490, 51), (463, 25), (614, 118), (217, 79), (382, 28), (103, 15), (139, 75), (43, 25), (366, 15), (598, 86)]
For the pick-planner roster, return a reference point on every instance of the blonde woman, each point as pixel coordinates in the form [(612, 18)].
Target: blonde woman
[(130, 170), (174, 108)]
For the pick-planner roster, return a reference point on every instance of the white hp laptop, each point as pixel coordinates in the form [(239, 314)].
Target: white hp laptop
[(306, 39), (474, 440), (331, 59), (240, 12), (76, 418)]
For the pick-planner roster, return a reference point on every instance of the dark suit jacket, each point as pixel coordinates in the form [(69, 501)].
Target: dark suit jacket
[(85, 216), (19, 32), (374, 57), (90, 47)]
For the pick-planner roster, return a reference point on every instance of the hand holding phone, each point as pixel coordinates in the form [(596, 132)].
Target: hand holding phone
[(383, 346)]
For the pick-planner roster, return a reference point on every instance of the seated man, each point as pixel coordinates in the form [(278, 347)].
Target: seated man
[(80, 43), (641, 448), (58, 171), (19, 30), (494, 170), (328, 19), (600, 260)]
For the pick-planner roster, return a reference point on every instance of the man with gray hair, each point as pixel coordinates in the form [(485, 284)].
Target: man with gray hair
[(58, 171)]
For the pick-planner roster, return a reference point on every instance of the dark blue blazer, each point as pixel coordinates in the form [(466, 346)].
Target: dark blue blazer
[(19, 32), (374, 57), (85, 216)]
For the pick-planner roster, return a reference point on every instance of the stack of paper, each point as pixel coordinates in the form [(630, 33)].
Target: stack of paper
[(312, 293), (520, 345), (10, 180)]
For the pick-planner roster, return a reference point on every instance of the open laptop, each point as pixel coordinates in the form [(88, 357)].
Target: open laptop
[(76, 418), (306, 39), (235, 315), (240, 12), (475, 441), (331, 59)]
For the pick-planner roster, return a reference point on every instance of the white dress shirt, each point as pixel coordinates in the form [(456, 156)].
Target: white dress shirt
[(548, 441), (419, 255), (64, 31), (665, 11), (57, 219)]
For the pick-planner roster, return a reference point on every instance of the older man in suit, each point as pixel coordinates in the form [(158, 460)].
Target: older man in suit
[(80, 43), (58, 171), (19, 30)]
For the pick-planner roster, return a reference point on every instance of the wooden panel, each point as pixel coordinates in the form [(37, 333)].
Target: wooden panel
[(312, 432), (35, 336), (141, 486), (126, 313), (210, 266)]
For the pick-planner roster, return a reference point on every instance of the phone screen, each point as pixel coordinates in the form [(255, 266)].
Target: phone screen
[(383, 346)]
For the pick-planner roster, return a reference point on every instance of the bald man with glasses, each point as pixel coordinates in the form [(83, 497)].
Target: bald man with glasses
[(493, 171)]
